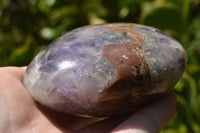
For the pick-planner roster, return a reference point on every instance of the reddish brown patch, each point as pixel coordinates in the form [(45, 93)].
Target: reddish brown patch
[(133, 78), (122, 57)]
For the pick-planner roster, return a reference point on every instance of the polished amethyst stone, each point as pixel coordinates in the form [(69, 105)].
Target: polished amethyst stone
[(104, 70)]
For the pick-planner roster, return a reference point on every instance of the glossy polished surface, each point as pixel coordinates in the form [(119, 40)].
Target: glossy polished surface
[(105, 70)]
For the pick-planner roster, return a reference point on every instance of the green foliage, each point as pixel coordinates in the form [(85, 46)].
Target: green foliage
[(26, 26)]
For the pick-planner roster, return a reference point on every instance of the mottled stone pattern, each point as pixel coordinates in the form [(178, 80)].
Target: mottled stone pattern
[(165, 56), (105, 70)]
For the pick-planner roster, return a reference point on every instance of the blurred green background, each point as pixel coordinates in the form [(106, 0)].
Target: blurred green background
[(26, 26)]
